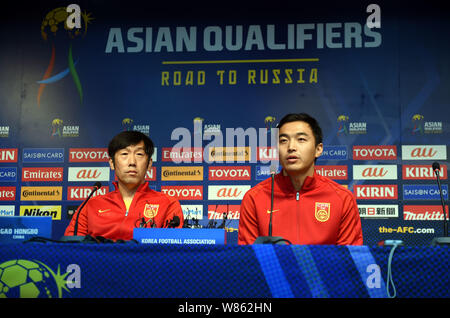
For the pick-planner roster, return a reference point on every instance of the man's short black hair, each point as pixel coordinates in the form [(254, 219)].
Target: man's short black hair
[(312, 122), (130, 138)]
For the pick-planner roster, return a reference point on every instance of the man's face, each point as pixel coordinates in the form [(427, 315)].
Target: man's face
[(297, 148), (131, 165)]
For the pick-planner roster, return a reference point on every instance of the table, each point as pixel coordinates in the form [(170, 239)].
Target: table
[(84, 270)]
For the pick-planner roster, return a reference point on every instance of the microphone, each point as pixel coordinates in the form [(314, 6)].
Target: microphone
[(271, 239), (174, 222), (445, 240), (75, 237)]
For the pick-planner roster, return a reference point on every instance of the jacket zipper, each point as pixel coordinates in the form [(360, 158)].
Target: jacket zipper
[(297, 197)]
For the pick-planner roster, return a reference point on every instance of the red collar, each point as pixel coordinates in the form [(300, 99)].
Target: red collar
[(142, 188), (284, 183)]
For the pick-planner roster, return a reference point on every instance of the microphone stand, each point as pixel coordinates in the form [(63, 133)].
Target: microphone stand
[(271, 239), (444, 240)]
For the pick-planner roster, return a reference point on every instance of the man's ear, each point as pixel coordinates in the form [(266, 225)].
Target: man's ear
[(319, 150), (150, 163), (111, 163)]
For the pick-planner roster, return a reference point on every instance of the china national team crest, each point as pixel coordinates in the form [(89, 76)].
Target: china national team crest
[(151, 210), (322, 211)]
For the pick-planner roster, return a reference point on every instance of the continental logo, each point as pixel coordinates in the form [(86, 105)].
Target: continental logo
[(40, 210), (181, 173), (41, 194), (229, 154)]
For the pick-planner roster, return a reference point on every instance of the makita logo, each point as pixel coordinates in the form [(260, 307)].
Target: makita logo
[(8, 155), (374, 172), (88, 174), (186, 155), (223, 211), (267, 153), (229, 173), (228, 192), (424, 152), (88, 155), (333, 172), (81, 193), (376, 192), (422, 172), (7, 193), (374, 152), (184, 192), (424, 212)]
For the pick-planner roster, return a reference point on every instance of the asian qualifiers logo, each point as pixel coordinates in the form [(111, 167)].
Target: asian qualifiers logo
[(72, 23)]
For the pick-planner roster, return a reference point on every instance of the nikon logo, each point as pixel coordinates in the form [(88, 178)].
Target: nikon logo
[(181, 173), (33, 210)]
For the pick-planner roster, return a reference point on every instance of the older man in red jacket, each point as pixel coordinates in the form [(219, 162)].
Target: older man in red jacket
[(132, 204), (307, 208)]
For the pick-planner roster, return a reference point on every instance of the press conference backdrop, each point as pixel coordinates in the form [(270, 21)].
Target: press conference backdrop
[(197, 76)]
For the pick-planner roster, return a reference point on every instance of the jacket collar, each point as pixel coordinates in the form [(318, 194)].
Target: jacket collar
[(284, 184), (142, 188)]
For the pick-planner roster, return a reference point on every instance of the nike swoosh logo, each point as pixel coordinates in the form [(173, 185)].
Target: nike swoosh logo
[(101, 211), (268, 211)]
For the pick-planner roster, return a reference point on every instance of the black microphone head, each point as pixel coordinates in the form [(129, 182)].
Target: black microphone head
[(436, 166), (97, 185), (176, 221)]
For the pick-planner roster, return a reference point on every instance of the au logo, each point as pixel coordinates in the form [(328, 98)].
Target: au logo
[(322, 211), (20, 278), (151, 210)]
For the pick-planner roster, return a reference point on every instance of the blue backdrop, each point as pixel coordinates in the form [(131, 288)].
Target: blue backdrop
[(157, 67)]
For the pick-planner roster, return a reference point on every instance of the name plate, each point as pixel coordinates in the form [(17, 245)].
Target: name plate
[(16, 229), (179, 236)]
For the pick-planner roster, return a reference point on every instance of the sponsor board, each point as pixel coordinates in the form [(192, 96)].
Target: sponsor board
[(227, 192), (88, 155), (192, 211), (378, 211), (8, 174), (81, 193), (41, 155), (424, 152), (374, 152), (229, 154), (333, 172), (424, 212), (184, 192), (422, 172), (42, 174), (334, 153), (263, 172), (41, 194), (181, 173), (150, 174), (424, 192), (229, 173), (375, 172), (88, 174), (41, 210), (178, 155), (8, 155), (216, 212), (7, 210), (7, 193), (265, 154), (376, 192)]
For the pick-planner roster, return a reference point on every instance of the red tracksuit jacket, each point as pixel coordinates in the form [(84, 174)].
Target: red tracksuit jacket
[(106, 215), (322, 212)]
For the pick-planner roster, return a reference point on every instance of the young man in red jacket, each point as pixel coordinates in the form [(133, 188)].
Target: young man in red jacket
[(307, 208), (132, 204)]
